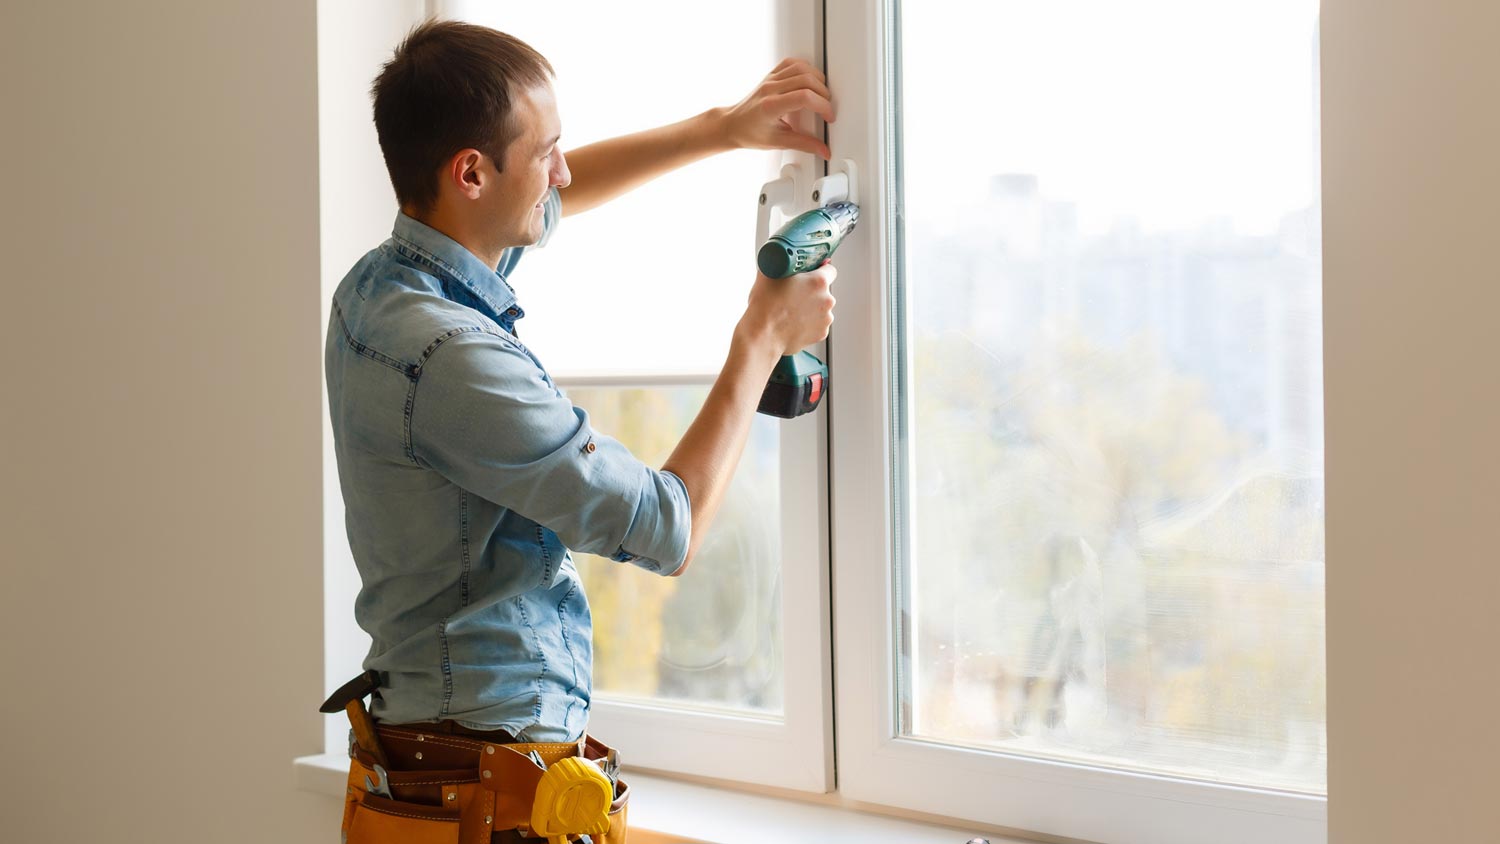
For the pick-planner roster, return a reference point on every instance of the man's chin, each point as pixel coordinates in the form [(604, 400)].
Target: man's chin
[(538, 225)]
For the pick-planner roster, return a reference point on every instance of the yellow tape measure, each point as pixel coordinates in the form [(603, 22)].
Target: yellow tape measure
[(573, 798)]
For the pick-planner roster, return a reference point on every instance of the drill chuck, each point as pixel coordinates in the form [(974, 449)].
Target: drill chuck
[(807, 241)]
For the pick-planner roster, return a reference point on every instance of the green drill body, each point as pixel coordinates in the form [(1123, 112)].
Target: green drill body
[(805, 243)]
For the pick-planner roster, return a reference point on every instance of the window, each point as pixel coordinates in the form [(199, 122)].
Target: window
[(1079, 384)]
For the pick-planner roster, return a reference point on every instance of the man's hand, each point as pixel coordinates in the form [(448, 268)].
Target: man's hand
[(790, 314), (763, 119)]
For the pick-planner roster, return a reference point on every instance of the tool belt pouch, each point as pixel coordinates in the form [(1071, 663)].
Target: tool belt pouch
[(408, 814), (466, 806)]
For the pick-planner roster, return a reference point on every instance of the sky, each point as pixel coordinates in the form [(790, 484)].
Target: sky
[(1163, 111)]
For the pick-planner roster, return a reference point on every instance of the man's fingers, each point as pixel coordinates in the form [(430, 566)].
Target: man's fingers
[(784, 64), (799, 82), (793, 66), (802, 143), (823, 275), (799, 99), (798, 70)]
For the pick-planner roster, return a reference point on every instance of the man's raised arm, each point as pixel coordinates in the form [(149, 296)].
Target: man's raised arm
[(609, 168), (784, 316)]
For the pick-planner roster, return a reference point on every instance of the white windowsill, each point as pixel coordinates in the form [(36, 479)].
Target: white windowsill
[(698, 811)]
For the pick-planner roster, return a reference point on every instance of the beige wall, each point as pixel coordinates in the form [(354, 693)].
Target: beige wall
[(162, 505), (1411, 105), (161, 495), (355, 37)]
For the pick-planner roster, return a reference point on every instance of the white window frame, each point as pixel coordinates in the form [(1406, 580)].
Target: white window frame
[(875, 764)]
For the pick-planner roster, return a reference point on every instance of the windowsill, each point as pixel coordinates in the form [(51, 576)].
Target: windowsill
[(696, 811)]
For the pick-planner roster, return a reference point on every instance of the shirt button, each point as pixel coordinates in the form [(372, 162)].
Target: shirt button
[(511, 311), (590, 447)]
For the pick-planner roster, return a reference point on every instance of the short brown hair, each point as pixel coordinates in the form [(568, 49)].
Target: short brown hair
[(447, 88)]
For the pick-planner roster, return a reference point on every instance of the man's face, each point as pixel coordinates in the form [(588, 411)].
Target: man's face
[(533, 164)]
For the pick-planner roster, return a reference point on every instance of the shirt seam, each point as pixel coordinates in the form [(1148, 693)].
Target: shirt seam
[(541, 542), (406, 437), (442, 632), (540, 656), (365, 351), (562, 618), (463, 544)]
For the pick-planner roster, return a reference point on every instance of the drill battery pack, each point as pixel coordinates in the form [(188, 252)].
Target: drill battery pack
[(797, 384)]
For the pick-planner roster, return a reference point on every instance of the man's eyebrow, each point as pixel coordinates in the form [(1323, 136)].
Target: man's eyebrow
[(549, 144)]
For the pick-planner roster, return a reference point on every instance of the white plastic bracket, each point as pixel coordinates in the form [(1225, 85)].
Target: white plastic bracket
[(780, 194), (840, 185)]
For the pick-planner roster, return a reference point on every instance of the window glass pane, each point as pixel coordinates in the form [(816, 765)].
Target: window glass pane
[(655, 280), (713, 638), (1112, 388)]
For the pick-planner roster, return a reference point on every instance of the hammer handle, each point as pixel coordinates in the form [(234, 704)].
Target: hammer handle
[(364, 730)]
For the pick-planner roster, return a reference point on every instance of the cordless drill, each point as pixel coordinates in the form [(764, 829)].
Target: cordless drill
[(800, 381)]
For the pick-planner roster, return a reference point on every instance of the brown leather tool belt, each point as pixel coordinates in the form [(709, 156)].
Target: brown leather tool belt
[(450, 788), (444, 783)]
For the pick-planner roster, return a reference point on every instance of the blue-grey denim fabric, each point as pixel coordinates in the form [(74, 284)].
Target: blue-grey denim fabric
[(467, 475)]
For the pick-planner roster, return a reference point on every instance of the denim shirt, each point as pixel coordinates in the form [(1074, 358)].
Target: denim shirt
[(467, 475)]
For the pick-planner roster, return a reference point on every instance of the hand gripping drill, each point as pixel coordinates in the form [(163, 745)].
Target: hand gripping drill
[(805, 243)]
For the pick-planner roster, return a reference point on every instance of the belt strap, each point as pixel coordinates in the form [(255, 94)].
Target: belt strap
[(357, 689), (350, 697)]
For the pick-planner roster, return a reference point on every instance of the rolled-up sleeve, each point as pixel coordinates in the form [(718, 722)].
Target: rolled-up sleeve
[(483, 416)]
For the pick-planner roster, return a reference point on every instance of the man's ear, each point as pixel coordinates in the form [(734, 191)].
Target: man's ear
[(463, 173)]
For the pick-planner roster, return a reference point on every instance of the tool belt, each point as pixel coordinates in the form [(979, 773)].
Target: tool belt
[(420, 784)]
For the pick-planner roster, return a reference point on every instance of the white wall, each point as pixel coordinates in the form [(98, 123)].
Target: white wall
[(1411, 131), (162, 507)]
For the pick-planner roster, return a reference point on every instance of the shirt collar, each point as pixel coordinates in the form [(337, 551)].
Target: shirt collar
[(448, 259)]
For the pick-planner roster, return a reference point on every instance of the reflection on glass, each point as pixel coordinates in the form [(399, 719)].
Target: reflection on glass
[(711, 638), (1114, 398)]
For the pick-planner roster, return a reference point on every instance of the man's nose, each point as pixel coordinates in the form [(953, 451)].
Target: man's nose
[(561, 176)]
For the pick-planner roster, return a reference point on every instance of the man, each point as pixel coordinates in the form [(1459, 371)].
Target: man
[(467, 475)]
